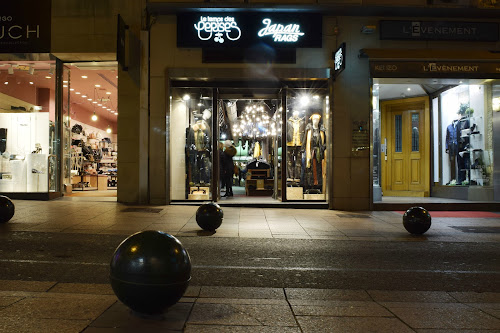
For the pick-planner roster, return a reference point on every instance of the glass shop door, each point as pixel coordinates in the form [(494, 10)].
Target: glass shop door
[(249, 125)]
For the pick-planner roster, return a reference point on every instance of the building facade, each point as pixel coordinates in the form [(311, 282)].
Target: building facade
[(338, 105)]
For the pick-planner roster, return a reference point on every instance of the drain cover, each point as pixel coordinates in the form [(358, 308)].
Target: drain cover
[(478, 230), (141, 210)]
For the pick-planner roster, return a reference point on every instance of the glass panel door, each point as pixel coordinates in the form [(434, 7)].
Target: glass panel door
[(66, 128), (191, 144), (278, 143)]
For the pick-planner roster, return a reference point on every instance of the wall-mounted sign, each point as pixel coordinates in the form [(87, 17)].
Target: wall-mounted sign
[(434, 69), (243, 29), (25, 26), (440, 30), (339, 60)]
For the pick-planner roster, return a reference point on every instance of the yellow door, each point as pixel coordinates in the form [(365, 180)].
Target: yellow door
[(406, 162)]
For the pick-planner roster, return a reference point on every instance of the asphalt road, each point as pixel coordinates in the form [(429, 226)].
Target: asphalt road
[(289, 263)]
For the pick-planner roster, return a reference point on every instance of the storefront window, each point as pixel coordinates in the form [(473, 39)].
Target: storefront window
[(466, 122), (191, 144), (306, 143), (439, 129), (27, 127)]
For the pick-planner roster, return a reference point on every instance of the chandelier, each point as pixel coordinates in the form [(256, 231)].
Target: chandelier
[(255, 122)]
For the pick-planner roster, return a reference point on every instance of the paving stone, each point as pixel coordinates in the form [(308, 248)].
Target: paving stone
[(242, 314), (16, 285), (241, 301), (410, 296), (352, 325), (8, 300), (242, 292), (83, 288), (327, 294), (41, 325), (474, 297), (74, 307), (121, 317), (446, 318), (191, 328), (341, 311)]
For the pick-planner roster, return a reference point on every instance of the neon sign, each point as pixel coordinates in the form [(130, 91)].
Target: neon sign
[(218, 27), (281, 33)]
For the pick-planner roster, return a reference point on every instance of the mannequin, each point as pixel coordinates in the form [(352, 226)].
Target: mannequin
[(199, 153), (463, 157), (314, 147), (294, 136), (452, 147)]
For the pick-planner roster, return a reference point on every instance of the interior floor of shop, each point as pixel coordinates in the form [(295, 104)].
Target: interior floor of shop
[(93, 193)]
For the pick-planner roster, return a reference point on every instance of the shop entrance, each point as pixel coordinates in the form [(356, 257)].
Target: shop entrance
[(433, 138), (404, 129), (250, 151), (249, 145)]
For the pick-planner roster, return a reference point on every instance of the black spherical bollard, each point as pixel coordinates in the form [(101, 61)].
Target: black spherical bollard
[(417, 220), (150, 271), (7, 209), (209, 216)]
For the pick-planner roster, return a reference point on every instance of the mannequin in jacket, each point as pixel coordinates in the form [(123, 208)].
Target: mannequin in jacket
[(294, 135), (313, 147)]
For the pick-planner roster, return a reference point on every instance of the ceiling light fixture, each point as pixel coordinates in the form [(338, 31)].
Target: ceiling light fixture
[(48, 77), (108, 92), (31, 82), (108, 130), (98, 85), (94, 117), (72, 89), (84, 76), (78, 93)]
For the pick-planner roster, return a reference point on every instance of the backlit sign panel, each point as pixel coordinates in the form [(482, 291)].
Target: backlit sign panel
[(25, 26), (243, 29), (339, 60)]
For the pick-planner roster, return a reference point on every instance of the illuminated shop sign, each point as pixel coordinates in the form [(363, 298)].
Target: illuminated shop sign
[(339, 60), (25, 31), (209, 27), (281, 33), (243, 30), (439, 30), (449, 69)]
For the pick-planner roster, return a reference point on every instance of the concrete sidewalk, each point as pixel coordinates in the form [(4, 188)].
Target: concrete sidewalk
[(104, 217), (64, 307), (31, 306)]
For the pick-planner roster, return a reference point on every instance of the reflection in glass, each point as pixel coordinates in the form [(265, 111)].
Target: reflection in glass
[(398, 124), (414, 132)]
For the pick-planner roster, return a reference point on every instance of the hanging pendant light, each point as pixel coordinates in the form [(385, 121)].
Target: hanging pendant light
[(94, 116), (108, 130)]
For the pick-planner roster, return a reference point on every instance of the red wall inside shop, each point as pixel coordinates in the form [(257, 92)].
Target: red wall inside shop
[(83, 115), (19, 91), (45, 97)]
